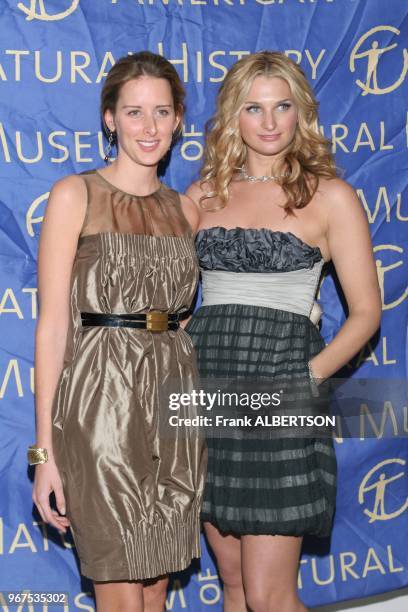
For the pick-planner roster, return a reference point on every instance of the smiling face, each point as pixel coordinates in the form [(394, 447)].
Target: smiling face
[(268, 117), (144, 119)]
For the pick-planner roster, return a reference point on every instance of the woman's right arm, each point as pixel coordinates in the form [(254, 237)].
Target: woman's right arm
[(61, 228), (191, 211)]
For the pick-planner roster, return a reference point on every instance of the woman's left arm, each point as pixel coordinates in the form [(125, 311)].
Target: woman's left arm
[(191, 213), (349, 241)]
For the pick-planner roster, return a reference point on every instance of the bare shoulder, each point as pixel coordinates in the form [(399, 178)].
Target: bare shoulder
[(335, 188), (337, 192), (348, 230), (341, 201), (190, 210), (197, 190), (69, 186), (67, 202), (188, 203)]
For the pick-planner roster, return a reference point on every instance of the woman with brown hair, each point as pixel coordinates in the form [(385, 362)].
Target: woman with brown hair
[(272, 212), (117, 272)]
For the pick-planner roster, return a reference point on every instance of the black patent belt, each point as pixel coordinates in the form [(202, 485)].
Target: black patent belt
[(152, 321)]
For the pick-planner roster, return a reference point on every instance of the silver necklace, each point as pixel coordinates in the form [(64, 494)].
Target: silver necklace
[(260, 179)]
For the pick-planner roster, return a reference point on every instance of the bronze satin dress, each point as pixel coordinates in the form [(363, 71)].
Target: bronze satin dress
[(133, 496)]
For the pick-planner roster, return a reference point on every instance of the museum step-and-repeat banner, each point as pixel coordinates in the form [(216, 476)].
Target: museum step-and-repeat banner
[(54, 55)]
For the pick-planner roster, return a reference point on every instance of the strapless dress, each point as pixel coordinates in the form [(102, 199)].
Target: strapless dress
[(258, 293)]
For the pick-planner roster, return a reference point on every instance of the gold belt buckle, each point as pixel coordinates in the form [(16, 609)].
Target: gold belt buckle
[(157, 321)]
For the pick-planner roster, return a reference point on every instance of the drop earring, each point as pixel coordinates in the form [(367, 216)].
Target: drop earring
[(108, 147)]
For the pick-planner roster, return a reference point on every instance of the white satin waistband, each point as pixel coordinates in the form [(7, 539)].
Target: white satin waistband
[(292, 291)]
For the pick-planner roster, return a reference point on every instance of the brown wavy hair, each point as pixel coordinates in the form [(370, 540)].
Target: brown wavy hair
[(305, 159), (143, 63)]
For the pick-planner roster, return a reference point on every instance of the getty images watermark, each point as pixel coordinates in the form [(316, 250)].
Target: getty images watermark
[(343, 408), (255, 401)]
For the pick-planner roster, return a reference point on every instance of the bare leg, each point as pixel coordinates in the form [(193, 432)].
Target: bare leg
[(227, 550), (270, 568), (119, 596), (154, 594)]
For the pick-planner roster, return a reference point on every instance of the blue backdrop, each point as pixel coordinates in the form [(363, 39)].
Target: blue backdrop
[(54, 55)]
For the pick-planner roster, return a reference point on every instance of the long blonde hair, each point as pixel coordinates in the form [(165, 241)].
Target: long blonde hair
[(307, 157)]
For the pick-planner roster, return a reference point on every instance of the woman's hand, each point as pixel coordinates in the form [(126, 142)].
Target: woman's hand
[(185, 321), (316, 379), (47, 479)]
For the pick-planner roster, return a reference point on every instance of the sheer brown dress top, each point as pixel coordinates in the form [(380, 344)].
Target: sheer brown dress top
[(133, 495)]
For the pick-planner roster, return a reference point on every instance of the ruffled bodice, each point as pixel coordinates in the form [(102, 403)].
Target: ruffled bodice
[(253, 250), (258, 267)]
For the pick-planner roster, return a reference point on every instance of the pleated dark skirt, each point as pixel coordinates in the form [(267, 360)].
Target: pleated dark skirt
[(256, 484)]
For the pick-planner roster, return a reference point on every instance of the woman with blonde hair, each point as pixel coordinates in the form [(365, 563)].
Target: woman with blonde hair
[(117, 273), (272, 212)]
